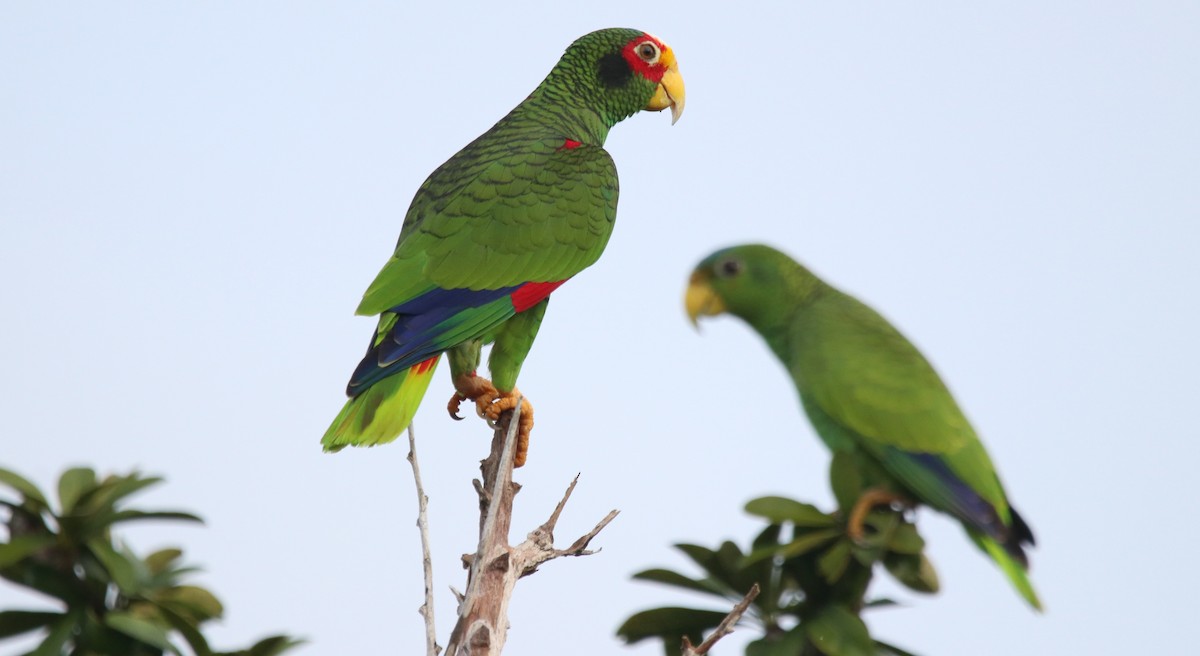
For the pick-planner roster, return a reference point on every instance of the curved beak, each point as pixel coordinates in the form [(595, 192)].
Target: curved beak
[(701, 301), (670, 91)]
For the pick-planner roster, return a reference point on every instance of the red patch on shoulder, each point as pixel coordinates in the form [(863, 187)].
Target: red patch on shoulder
[(570, 144), (422, 367), (652, 72), (532, 293)]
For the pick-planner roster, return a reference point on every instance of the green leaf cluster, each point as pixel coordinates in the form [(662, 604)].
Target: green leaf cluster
[(114, 603), (813, 580)]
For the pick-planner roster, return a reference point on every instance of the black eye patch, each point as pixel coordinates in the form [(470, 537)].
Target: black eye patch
[(614, 70)]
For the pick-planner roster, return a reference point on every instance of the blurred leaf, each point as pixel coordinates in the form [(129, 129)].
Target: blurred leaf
[(139, 629), (118, 604), (16, 622), (781, 509), (57, 638), (915, 572), (882, 602), (769, 535), (801, 545), (845, 479), (189, 631), (761, 554), (703, 556), (123, 568), (192, 602), (834, 561), (809, 541), (72, 484), (734, 572), (48, 580), (678, 580), (838, 632), (906, 540), (769, 583), (113, 489), (22, 485), (668, 622), (723, 565), (790, 643), (161, 560), (99, 523), (20, 547)]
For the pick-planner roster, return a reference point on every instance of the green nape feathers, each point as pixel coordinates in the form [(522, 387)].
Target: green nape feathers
[(497, 228), (868, 392)]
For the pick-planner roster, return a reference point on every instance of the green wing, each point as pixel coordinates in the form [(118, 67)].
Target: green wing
[(514, 206), (867, 378), (862, 382)]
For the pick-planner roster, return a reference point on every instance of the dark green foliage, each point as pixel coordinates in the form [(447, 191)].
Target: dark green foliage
[(813, 582), (115, 603)]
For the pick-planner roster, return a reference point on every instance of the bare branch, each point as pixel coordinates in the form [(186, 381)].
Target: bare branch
[(426, 610), (495, 567), (553, 521), (724, 628), (579, 547), (482, 616)]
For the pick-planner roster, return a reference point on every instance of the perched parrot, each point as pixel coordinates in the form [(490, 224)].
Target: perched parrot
[(869, 394), (497, 228)]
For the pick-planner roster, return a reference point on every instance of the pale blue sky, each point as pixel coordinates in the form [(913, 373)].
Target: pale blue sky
[(194, 196)]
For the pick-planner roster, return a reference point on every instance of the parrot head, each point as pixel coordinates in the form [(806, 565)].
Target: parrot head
[(620, 72), (753, 282)]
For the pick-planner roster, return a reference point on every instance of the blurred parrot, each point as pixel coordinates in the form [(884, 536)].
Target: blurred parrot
[(869, 393), (494, 230)]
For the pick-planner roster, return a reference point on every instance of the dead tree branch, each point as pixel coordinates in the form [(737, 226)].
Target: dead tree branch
[(426, 610), (496, 566), (724, 628)]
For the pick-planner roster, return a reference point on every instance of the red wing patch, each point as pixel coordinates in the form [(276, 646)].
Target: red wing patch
[(570, 144), (532, 293), (422, 367)]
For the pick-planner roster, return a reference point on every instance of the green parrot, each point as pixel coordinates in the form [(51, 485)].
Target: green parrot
[(494, 230), (870, 395)]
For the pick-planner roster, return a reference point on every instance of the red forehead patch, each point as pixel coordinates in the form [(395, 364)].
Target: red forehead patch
[(652, 72)]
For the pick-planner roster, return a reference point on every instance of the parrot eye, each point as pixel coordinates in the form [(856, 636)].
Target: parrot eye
[(729, 268), (648, 52)]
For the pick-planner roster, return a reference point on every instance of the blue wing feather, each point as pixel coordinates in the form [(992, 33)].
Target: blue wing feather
[(421, 327)]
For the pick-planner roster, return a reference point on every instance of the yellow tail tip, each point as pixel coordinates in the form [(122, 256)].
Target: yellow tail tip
[(381, 412)]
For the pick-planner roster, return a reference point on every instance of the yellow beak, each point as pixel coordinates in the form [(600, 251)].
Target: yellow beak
[(670, 89), (701, 300)]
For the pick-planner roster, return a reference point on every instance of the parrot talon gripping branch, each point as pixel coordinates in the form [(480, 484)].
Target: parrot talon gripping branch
[(494, 230), (865, 504), (870, 395)]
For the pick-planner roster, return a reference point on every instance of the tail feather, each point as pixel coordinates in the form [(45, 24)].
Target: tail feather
[(381, 412), (1012, 564), (1021, 533)]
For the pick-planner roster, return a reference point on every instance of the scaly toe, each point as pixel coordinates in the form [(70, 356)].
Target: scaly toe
[(501, 405), (483, 406), (523, 431)]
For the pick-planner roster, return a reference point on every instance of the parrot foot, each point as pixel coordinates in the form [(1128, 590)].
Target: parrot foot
[(456, 400), (867, 502), (507, 401), (490, 403), (470, 387)]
